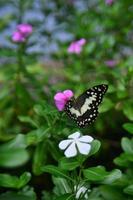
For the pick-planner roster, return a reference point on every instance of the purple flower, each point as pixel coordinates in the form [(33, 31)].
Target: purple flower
[(111, 63), (61, 98), (22, 32), (76, 47), (109, 2)]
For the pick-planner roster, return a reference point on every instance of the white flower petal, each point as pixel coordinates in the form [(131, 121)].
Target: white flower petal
[(86, 139), (74, 135), (80, 191), (83, 148), (71, 151), (64, 144)]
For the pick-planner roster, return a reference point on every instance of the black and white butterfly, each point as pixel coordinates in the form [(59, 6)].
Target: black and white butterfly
[(84, 109)]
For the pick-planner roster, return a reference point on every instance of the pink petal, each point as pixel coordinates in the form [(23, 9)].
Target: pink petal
[(60, 96), (68, 93), (18, 37), (60, 101), (71, 48), (77, 49), (25, 29), (60, 105), (82, 41), (109, 2), (111, 63)]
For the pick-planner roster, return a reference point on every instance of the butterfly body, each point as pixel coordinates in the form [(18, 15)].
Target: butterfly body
[(84, 109)]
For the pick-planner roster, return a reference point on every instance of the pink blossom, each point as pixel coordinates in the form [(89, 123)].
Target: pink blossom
[(18, 37), (111, 63), (22, 32), (76, 46), (25, 29), (109, 2), (61, 98)]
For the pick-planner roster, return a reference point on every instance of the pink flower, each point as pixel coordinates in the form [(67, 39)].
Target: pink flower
[(76, 47), (109, 2), (22, 32), (18, 37), (25, 29), (111, 63), (61, 98)]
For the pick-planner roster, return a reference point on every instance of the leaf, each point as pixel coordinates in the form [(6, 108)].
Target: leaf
[(129, 190), (95, 173), (127, 145), (95, 146), (68, 164), (62, 186), (36, 136), (18, 141), (14, 153), (128, 127), (113, 176), (90, 47), (56, 171), (111, 193), (66, 197), (9, 181), (14, 196), (29, 120), (100, 174), (106, 105), (39, 158), (128, 109), (122, 160), (13, 157)]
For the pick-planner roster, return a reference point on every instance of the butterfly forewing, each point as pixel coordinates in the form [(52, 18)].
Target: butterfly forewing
[(84, 109)]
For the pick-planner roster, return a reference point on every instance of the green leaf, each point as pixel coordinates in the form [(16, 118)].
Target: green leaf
[(68, 164), (29, 120), (14, 153), (39, 158), (127, 145), (18, 142), (113, 176), (62, 186), (13, 157), (56, 171), (128, 109), (129, 190), (90, 47), (128, 127), (36, 136), (95, 173), (106, 105), (9, 181), (95, 146), (66, 197), (123, 160), (111, 193), (100, 174), (13, 196)]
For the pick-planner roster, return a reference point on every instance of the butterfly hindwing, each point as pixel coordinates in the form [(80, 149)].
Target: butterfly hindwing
[(84, 109)]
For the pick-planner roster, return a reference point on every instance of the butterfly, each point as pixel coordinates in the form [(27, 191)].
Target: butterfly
[(84, 109)]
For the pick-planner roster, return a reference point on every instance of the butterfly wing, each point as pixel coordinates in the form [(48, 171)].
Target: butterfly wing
[(84, 109)]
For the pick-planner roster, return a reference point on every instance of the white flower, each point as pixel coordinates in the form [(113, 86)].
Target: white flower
[(76, 143), (82, 190)]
